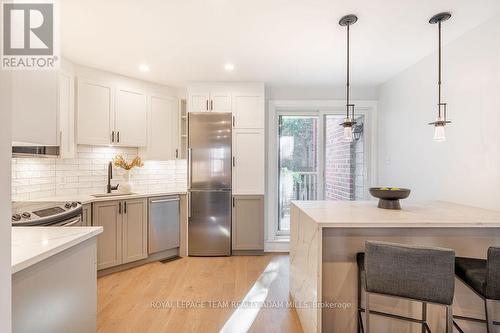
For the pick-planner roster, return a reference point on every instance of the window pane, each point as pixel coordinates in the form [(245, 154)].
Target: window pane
[(298, 163), (344, 161)]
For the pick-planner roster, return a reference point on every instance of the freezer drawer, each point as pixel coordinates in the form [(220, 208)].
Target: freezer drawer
[(209, 227), (164, 224)]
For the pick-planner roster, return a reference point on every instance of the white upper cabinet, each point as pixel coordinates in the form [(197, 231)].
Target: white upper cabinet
[(130, 118), (220, 100), (163, 130), (209, 98), (248, 161), (35, 108), (110, 115), (67, 115), (248, 107), (199, 101), (95, 118)]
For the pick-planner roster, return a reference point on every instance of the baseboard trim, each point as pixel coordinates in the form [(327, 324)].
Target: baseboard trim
[(248, 252), (277, 246), (160, 256)]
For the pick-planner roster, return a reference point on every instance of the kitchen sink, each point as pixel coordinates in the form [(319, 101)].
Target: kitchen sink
[(116, 194)]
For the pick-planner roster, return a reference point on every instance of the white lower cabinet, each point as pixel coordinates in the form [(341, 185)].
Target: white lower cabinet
[(248, 161), (124, 238)]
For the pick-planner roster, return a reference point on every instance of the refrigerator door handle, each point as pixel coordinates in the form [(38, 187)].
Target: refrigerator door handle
[(189, 204), (190, 167)]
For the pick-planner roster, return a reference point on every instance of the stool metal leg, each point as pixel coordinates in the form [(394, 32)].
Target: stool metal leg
[(360, 318), (449, 319), (488, 306), (367, 312), (424, 317)]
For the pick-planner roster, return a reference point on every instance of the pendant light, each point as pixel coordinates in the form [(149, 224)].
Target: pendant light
[(441, 121), (349, 120)]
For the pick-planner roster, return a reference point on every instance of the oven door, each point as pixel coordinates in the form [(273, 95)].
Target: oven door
[(74, 222)]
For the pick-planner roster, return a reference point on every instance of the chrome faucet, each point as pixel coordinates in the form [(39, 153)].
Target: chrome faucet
[(110, 188)]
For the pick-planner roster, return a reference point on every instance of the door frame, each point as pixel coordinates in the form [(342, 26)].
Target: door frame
[(278, 240)]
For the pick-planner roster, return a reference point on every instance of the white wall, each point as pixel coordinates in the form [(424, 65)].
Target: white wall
[(5, 210), (327, 92), (465, 168)]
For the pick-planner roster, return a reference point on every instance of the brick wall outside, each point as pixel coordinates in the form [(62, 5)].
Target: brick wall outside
[(344, 176)]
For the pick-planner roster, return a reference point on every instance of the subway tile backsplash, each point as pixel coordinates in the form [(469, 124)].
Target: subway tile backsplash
[(34, 178)]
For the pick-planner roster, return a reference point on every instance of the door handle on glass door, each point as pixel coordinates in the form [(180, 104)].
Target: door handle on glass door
[(211, 105), (189, 204), (207, 104)]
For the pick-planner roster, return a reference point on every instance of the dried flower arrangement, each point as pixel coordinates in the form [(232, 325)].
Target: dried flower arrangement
[(120, 162)]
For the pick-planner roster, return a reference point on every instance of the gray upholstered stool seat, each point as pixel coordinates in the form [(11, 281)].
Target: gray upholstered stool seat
[(473, 272), (415, 273), (483, 277)]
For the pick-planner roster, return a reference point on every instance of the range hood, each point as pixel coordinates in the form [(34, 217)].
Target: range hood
[(34, 151)]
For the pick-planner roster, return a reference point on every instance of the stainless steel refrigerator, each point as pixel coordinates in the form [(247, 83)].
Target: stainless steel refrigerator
[(209, 184)]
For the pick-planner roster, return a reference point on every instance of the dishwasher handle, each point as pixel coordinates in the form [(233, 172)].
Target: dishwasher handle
[(164, 200)]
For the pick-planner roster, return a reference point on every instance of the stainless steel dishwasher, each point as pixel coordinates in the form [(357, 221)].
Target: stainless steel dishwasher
[(164, 223)]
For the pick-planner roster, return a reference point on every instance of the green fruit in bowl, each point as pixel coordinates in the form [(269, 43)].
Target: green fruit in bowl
[(384, 188), (395, 189)]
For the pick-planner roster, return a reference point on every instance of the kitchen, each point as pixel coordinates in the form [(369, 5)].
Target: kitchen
[(201, 184)]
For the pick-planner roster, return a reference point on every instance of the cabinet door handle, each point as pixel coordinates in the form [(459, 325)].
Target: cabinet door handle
[(207, 104), (120, 207), (118, 136), (177, 153), (233, 202), (234, 161), (113, 136), (234, 121), (211, 105), (125, 207)]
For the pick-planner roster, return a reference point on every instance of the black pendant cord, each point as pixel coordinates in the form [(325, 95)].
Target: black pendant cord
[(348, 76), (439, 76)]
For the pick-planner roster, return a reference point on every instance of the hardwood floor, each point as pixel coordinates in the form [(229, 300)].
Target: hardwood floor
[(131, 301)]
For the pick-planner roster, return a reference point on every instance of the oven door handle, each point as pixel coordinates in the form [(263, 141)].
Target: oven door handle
[(72, 222)]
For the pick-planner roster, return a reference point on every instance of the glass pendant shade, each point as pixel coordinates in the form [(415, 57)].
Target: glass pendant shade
[(347, 134), (439, 134)]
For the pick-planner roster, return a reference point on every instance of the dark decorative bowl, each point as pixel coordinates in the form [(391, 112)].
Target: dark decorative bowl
[(389, 196)]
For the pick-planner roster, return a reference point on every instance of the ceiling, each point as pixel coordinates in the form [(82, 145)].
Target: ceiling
[(280, 42)]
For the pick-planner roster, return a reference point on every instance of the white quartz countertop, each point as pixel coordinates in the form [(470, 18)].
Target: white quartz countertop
[(30, 245), (87, 198), (365, 214)]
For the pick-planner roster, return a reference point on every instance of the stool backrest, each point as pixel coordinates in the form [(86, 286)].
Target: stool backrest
[(493, 274), (420, 273)]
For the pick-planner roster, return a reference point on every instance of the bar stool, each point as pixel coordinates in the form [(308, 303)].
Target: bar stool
[(413, 273), (482, 277)]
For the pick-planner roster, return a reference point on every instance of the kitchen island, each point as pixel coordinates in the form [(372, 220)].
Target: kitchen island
[(326, 235), (54, 279)]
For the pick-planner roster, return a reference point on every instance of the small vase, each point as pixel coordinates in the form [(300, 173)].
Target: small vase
[(126, 186)]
